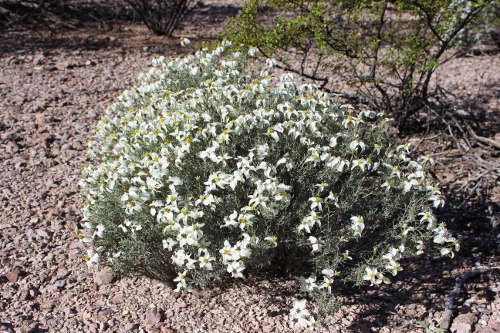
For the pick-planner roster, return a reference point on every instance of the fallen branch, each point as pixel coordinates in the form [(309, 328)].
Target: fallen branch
[(450, 305), (482, 139)]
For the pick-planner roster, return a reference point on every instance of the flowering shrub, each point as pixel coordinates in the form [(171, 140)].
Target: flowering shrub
[(207, 171)]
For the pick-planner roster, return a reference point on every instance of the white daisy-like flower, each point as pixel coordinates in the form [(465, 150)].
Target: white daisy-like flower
[(356, 145), (185, 42), (371, 274), (393, 267), (92, 258), (252, 51), (205, 260), (381, 278), (310, 283), (169, 243), (272, 239), (357, 225), (271, 62), (236, 268), (316, 203), (315, 243)]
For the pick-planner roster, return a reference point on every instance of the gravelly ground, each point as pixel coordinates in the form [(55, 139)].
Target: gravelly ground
[(52, 91)]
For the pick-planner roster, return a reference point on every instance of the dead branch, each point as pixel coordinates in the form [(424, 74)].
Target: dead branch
[(482, 139), (450, 305), (476, 180)]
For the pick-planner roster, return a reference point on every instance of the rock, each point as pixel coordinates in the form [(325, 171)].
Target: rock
[(494, 323), (48, 305), (39, 59), (42, 233), (24, 295), (15, 60), (40, 119), (52, 322), (57, 285), (131, 327), (268, 327), (180, 304), (497, 137), (104, 315), (416, 310), (29, 327), (163, 328), (65, 65), (13, 275), (76, 244), (485, 330), (12, 147), (6, 327), (463, 323), (153, 316), (463, 114), (117, 299), (397, 330), (50, 68), (92, 328), (62, 273), (104, 276)]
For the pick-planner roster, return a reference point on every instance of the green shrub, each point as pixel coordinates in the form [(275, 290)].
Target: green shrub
[(387, 51), (208, 170), (485, 30)]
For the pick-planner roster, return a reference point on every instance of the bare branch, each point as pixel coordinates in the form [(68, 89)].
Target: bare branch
[(450, 305)]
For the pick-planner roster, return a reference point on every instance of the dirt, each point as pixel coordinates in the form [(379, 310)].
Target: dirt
[(54, 88)]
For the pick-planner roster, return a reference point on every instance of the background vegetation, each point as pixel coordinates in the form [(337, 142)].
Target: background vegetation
[(387, 51)]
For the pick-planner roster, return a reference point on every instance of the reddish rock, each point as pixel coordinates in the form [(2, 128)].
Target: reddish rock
[(13, 275), (153, 316), (464, 323)]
